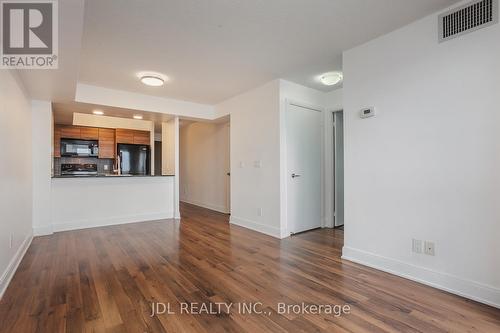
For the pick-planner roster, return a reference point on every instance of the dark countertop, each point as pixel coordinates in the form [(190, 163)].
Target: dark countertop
[(110, 176)]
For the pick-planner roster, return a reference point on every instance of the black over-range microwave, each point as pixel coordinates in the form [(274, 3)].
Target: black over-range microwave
[(79, 148)]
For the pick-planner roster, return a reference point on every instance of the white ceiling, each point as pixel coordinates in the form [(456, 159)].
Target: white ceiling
[(215, 49), (60, 84)]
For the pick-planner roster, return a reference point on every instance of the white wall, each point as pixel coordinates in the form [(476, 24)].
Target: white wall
[(258, 134), (15, 175), (42, 133), (255, 136), (333, 100), (427, 166), (91, 202), (204, 162), (294, 93)]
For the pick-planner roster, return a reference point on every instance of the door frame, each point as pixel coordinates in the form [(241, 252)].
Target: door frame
[(286, 226), (228, 171), (334, 167)]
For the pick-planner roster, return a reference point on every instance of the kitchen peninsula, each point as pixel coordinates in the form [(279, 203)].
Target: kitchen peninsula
[(105, 176)]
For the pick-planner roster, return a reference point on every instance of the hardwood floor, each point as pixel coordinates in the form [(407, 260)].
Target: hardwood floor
[(105, 280)]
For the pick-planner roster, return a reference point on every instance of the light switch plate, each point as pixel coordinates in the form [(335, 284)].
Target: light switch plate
[(417, 245)]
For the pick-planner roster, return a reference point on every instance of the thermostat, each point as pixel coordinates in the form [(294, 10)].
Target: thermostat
[(367, 112)]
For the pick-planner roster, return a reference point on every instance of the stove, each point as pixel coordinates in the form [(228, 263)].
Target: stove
[(79, 169)]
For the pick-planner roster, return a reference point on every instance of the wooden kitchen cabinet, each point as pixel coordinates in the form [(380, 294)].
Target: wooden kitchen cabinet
[(106, 143), (108, 138), (89, 133), (132, 137), (142, 138), (70, 132), (124, 136), (57, 141)]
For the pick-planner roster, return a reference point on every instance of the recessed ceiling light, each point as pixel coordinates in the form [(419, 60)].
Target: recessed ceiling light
[(152, 79), (137, 116), (331, 79), (98, 112)]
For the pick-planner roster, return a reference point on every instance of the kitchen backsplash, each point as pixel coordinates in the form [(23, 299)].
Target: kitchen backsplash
[(101, 163)]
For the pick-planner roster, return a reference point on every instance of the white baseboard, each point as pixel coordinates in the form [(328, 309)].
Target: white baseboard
[(447, 282), (93, 223), (9, 272), (264, 229), (217, 208)]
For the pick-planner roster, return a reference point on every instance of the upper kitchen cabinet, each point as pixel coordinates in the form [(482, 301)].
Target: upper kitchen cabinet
[(77, 132), (142, 138), (124, 136), (89, 133), (133, 137), (106, 143), (70, 132)]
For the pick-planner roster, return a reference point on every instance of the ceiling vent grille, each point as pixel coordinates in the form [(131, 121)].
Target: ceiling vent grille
[(467, 18)]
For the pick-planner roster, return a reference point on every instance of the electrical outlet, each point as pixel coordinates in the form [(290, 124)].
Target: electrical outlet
[(417, 245), (257, 164), (259, 212), (106, 167), (242, 164), (11, 241), (429, 248)]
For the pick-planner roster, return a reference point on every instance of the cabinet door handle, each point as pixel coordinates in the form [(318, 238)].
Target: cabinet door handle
[(295, 175)]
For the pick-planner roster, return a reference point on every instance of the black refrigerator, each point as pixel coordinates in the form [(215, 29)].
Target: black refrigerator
[(134, 159)]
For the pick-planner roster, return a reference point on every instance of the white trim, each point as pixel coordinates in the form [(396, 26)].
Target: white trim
[(264, 229), (453, 284), (334, 168), (94, 223), (177, 213), (217, 208), (304, 105), (11, 269)]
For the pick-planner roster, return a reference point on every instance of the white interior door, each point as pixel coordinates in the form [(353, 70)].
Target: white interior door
[(303, 140)]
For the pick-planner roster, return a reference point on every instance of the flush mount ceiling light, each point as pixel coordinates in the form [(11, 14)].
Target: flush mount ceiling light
[(331, 79), (152, 79), (98, 112), (137, 116)]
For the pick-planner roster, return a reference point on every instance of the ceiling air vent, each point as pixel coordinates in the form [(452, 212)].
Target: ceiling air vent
[(467, 18)]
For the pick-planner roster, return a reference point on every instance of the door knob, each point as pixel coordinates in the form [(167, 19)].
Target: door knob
[(295, 175)]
